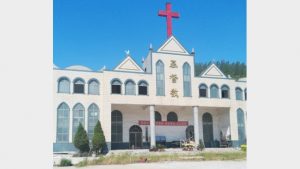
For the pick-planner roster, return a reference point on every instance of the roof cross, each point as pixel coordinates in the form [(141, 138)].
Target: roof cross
[(169, 15)]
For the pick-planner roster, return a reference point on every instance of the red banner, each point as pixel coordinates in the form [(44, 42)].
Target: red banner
[(165, 123)]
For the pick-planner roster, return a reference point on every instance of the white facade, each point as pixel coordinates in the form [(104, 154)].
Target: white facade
[(135, 108)]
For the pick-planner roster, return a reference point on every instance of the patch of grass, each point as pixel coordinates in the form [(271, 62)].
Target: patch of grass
[(127, 158), (224, 155)]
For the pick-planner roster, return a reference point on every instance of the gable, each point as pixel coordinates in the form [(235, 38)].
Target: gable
[(213, 71), (172, 46), (128, 64)]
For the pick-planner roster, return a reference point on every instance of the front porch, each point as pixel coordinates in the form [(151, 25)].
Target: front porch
[(134, 126)]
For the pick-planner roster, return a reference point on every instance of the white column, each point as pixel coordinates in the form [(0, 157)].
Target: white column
[(196, 124), (233, 124), (152, 125), (71, 127)]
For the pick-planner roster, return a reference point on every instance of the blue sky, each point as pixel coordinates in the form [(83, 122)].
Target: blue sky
[(95, 33)]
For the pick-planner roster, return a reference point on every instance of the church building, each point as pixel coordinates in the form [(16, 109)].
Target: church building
[(161, 101)]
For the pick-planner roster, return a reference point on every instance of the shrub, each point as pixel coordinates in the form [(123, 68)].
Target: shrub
[(98, 140), (244, 147), (65, 162), (81, 140), (201, 145)]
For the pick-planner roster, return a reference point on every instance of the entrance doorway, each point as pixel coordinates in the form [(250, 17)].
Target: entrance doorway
[(189, 132), (208, 135), (135, 137)]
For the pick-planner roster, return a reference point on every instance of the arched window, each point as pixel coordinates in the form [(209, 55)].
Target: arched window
[(241, 126), (245, 93), (157, 116), (78, 117), (63, 85), (143, 88), (202, 90), (79, 85), (62, 129), (238, 94), (129, 87), (225, 91), (93, 87), (93, 117), (172, 116), (208, 136), (116, 86), (116, 127), (186, 79), (160, 79), (214, 91)]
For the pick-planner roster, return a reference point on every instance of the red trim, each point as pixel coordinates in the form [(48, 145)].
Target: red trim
[(165, 123)]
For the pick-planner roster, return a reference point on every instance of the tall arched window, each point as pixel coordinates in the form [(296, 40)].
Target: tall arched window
[(225, 91), (202, 90), (78, 117), (157, 116), (208, 136), (63, 85), (172, 116), (143, 88), (214, 91), (245, 93), (78, 85), (93, 87), (129, 87), (160, 79), (238, 93), (186, 79), (116, 86), (62, 129), (241, 126), (116, 127), (93, 117)]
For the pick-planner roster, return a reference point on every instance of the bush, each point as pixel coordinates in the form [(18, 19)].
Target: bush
[(65, 162), (81, 140), (98, 140), (201, 145), (244, 147)]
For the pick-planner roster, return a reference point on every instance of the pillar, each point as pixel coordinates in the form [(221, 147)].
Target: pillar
[(233, 126), (152, 126), (196, 124), (71, 127)]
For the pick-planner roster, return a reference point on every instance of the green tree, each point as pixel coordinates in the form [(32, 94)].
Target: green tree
[(98, 138), (81, 140)]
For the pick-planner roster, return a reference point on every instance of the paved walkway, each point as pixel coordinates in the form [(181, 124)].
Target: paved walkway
[(172, 165)]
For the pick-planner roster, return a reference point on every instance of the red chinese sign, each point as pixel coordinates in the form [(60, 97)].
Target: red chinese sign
[(165, 123)]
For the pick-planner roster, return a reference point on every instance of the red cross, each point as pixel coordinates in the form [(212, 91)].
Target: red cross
[(169, 15)]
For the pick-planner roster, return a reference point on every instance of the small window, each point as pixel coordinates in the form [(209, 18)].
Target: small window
[(116, 87), (245, 93), (172, 116), (203, 90), (143, 88), (93, 87), (238, 93), (130, 88), (78, 86), (225, 91), (63, 85), (157, 116), (214, 91)]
